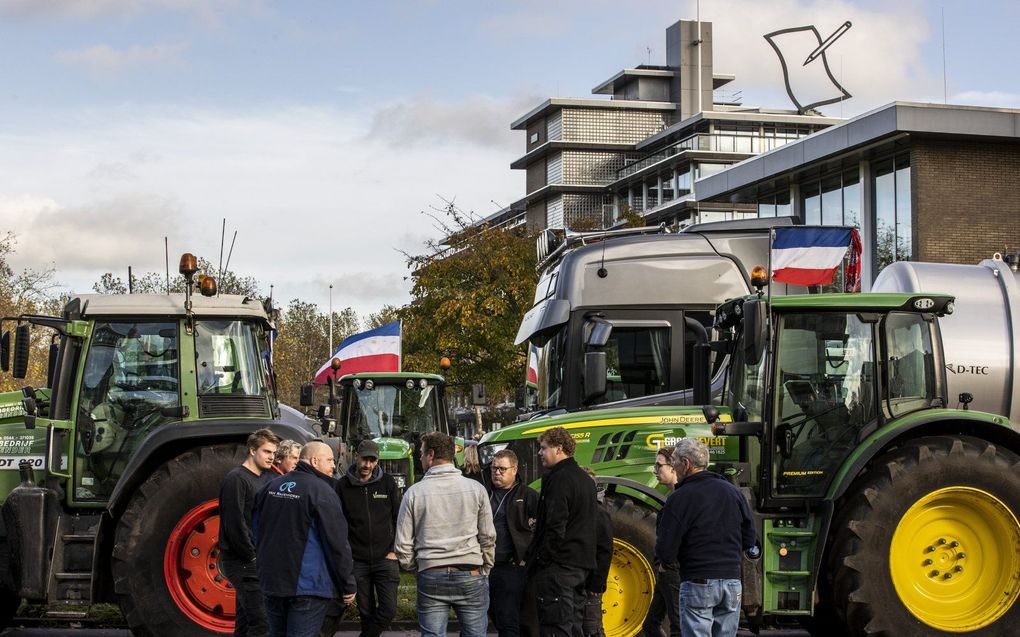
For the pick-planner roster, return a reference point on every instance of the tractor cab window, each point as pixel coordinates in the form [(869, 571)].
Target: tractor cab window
[(229, 357), (637, 361), (824, 397), (392, 411), (130, 378), (911, 363)]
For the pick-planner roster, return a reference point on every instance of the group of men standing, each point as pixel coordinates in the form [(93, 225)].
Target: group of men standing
[(293, 544)]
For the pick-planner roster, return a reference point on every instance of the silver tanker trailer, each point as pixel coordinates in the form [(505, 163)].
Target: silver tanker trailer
[(982, 351)]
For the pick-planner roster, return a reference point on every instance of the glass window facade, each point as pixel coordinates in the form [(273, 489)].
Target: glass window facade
[(893, 239)]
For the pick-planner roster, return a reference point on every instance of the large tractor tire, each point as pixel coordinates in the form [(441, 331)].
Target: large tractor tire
[(165, 563), (929, 542), (631, 576)]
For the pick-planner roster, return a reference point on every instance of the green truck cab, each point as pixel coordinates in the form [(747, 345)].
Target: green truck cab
[(880, 510)]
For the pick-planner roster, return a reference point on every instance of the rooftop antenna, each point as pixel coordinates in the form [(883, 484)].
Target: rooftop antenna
[(649, 50), (226, 266), (945, 91), (166, 253)]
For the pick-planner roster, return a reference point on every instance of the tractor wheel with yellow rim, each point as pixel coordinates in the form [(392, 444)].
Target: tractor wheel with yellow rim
[(631, 577), (929, 542)]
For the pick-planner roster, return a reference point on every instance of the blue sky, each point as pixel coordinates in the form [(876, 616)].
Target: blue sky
[(321, 130)]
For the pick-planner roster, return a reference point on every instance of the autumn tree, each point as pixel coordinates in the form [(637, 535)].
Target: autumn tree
[(469, 294), (227, 282), (303, 344)]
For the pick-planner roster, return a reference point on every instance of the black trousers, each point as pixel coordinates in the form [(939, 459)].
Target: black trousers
[(665, 603), (560, 596), (507, 583), (377, 594), (250, 617)]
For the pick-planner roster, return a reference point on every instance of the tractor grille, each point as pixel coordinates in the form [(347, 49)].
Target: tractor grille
[(233, 406), (613, 446), (400, 469)]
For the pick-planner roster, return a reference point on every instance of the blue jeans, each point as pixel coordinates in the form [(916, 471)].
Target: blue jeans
[(295, 616), (711, 609), (466, 594)]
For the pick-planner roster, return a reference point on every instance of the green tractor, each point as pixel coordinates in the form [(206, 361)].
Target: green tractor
[(881, 510), (150, 400)]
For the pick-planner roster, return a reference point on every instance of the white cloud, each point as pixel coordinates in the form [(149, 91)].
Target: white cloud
[(205, 10), (104, 60), (313, 197)]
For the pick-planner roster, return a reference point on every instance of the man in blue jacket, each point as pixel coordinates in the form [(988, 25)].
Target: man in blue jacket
[(304, 560), (704, 526)]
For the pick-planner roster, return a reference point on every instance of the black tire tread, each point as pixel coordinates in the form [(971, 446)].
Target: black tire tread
[(861, 588)]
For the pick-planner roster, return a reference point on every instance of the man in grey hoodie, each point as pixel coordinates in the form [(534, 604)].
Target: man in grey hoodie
[(445, 532)]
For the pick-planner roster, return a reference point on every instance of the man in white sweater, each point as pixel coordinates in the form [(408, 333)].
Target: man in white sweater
[(445, 532)]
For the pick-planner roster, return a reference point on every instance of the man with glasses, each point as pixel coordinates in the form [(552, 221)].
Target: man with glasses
[(705, 525), (444, 530), (562, 553), (666, 596), (514, 509)]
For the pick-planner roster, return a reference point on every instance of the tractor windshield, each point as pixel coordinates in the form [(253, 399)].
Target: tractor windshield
[(824, 397), (911, 363), (392, 411), (230, 360)]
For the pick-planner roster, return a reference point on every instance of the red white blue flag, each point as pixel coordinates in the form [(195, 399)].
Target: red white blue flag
[(376, 350), (532, 380), (806, 255)]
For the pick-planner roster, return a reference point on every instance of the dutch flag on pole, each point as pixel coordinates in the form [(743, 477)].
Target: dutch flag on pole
[(376, 350), (806, 255)]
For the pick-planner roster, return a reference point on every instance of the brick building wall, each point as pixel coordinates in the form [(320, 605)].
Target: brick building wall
[(965, 199)]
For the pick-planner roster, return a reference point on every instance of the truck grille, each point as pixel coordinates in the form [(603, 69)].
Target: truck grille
[(233, 406)]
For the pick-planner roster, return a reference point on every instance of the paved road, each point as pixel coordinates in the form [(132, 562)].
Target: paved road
[(92, 632)]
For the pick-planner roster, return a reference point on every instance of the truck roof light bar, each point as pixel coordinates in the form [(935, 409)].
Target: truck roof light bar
[(552, 243)]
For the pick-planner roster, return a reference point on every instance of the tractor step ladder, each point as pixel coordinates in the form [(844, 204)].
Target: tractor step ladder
[(71, 574)]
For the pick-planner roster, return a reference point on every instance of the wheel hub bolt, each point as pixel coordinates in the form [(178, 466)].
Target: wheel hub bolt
[(949, 576), (930, 549), (194, 552), (934, 573), (958, 568), (218, 578), (927, 563), (954, 544), (961, 555), (942, 540)]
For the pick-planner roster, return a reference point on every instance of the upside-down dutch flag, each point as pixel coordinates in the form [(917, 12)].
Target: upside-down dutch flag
[(532, 380), (805, 255), (377, 350)]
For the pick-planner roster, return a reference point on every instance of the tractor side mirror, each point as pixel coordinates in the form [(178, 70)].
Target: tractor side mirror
[(594, 375), (175, 411), (601, 330), (307, 398), (22, 346), (754, 331), (5, 351)]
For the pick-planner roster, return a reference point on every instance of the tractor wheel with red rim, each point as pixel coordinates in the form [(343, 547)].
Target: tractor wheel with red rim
[(165, 562)]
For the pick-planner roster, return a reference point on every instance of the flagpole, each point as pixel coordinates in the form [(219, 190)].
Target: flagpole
[(330, 319), (772, 239)]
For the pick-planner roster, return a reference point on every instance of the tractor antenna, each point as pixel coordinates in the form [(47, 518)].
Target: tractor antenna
[(166, 252), (223, 233), (226, 267)]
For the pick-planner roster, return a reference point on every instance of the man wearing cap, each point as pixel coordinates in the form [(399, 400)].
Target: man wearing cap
[(371, 501)]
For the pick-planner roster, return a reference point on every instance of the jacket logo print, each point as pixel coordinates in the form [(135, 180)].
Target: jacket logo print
[(287, 487)]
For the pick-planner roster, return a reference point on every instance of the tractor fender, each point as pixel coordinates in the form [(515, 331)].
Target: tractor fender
[(173, 439), (613, 483), (989, 427)]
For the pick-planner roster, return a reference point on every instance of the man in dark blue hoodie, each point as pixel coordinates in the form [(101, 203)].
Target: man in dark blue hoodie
[(705, 526), (371, 501), (304, 560)]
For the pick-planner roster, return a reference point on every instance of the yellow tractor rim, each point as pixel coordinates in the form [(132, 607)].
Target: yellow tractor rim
[(955, 559), (628, 591)]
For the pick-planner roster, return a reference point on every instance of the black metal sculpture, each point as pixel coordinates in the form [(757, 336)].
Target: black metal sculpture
[(818, 52)]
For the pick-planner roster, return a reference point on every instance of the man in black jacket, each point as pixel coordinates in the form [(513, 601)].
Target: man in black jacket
[(304, 560), (237, 547), (705, 525), (563, 550), (514, 510), (371, 502)]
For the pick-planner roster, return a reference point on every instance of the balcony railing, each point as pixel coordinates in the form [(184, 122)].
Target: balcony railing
[(713, 142)]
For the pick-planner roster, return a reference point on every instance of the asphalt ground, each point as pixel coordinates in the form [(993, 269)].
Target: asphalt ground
[(106, 632)]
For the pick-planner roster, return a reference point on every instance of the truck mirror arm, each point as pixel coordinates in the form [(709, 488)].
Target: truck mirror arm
[(738, 429)]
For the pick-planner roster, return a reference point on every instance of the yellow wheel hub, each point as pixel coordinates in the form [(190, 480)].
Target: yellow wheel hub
[(628, 591), (955, 559)]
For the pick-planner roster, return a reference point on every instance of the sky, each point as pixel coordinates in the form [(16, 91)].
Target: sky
[(325, 132)]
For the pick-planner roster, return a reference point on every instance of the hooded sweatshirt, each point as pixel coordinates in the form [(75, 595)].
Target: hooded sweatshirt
[(370, 507)]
